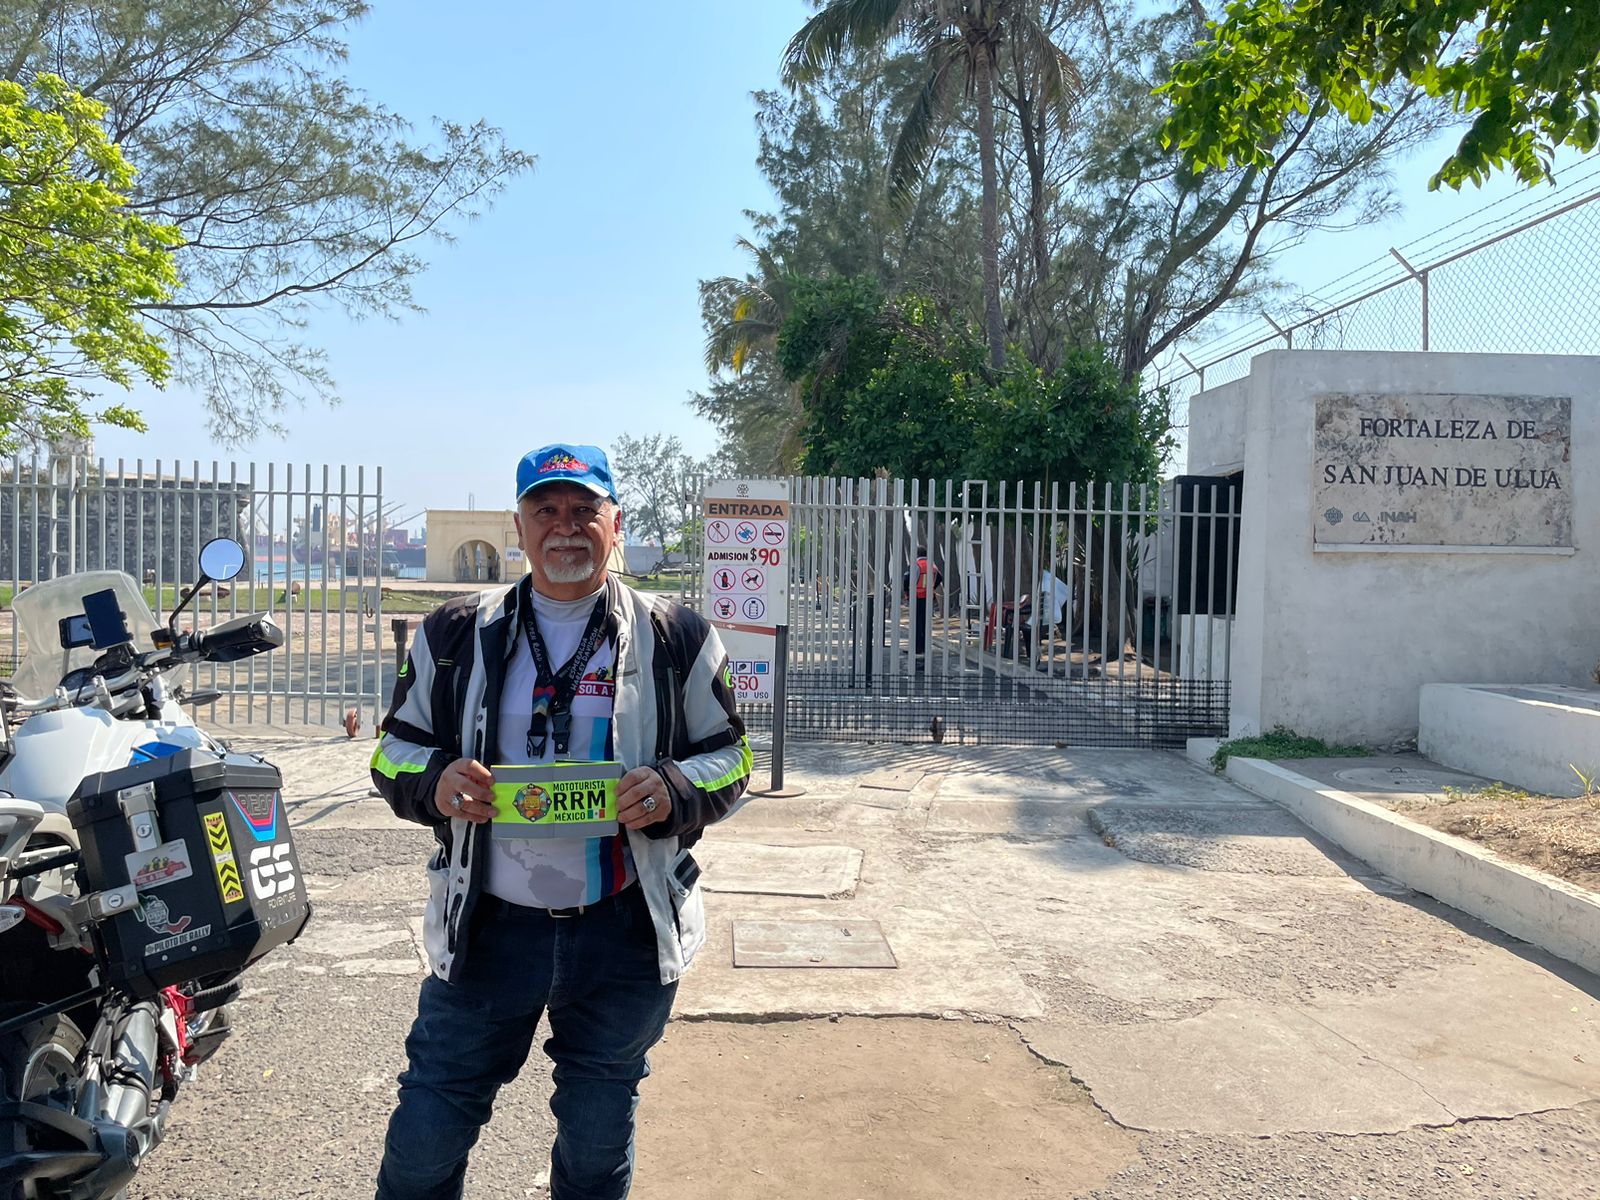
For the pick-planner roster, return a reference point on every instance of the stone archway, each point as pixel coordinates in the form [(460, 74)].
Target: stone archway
[(477, 561)]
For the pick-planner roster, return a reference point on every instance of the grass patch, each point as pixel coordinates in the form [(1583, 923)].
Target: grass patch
[(1493, 793), (1282, 743), (1505, 793)]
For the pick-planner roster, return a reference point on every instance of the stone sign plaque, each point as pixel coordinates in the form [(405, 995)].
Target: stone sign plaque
[(1442, 471)]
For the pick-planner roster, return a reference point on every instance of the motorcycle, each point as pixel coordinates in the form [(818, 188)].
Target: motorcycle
[(143, 868)]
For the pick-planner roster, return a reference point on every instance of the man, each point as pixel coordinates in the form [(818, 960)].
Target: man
[(922, 569), (566, 666)]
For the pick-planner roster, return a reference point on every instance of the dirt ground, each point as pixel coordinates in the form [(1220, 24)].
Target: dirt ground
[(1553, 834), (858, 1108)]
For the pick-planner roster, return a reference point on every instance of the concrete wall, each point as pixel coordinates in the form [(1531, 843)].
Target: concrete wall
[(1535, 738), (1338, 645), (1216, 438)]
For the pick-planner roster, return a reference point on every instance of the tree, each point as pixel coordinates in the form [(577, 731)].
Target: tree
[(890, 387), (959, 41), (885, 384), (1155, 248), (291, 188), (824, 152), (1527, 70), (758, 416), (1109, 242), (659, 486), (75, 265), (745, 315)]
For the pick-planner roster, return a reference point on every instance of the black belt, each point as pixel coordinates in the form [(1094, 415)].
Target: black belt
[(494, 906)]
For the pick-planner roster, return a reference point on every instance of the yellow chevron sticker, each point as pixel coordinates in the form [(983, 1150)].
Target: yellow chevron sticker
[(227, 867)]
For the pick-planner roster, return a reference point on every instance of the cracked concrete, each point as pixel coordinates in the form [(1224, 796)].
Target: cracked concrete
[(1243, 994)]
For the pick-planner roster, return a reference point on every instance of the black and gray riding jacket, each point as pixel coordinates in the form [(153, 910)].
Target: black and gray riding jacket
[(673, 710)]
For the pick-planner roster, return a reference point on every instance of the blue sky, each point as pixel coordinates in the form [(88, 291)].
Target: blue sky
[(570, 312)]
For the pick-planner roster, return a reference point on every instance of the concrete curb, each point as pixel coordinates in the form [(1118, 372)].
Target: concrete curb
[(1518, 900)]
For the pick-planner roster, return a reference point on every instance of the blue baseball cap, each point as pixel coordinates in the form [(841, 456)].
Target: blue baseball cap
[(563, 463)]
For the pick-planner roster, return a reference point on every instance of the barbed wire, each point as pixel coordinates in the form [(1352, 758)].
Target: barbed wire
[(1517, 279), (1426, 253)]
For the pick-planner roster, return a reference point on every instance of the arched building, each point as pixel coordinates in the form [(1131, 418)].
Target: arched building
[(473, 546), (479, 546)]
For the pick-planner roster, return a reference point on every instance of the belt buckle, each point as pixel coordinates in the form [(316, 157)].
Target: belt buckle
[(566, 914)]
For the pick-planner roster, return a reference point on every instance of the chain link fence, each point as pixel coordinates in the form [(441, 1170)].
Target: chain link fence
[(1522, 281)]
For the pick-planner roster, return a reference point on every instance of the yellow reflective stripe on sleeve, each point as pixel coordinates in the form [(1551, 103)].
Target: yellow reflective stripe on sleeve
[(747, 762), (390, 769)]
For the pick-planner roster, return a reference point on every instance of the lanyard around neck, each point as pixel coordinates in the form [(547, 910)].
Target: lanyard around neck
[(553, 691)]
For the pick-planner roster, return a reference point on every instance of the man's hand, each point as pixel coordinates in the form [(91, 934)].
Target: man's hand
[(473, 783), (643, 798)]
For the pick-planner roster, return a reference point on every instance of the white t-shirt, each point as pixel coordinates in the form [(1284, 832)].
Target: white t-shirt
[(558, 872)]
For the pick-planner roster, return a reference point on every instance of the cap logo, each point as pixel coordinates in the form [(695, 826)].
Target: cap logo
[(562, 462)]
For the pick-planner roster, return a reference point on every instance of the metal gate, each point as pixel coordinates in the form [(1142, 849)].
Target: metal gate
[(313, 541), (1060, 614)]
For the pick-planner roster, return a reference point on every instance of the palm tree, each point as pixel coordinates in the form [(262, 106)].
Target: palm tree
[(960, 40), (750, 311)]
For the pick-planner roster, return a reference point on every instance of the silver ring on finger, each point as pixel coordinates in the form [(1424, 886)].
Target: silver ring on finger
[(648, 804), (457, 801)]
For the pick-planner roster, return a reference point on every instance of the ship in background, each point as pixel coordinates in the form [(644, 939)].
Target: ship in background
[(373, 547)]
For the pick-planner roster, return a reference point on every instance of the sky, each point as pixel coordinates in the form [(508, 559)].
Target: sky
[(571, 312)]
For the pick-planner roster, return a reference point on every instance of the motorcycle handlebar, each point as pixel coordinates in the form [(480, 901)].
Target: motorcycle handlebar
[(228, 642)]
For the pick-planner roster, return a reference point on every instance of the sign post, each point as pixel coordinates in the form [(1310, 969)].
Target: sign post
[(746, 588)]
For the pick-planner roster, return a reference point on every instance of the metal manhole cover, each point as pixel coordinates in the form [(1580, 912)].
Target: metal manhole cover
[(1402, 779), (811, 944)]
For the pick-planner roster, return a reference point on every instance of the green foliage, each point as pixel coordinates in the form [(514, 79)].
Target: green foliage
[(1108, 241), (1493, 792), (890, 386), (959, 47), (1282, 743), (823, 154), (884, 388), (76, 262), (293, 190), (1081, 422), (1527, 71)]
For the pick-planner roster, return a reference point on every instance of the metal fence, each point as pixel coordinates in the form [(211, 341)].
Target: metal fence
[(1067, 614), (1517, 280), (312, 538)]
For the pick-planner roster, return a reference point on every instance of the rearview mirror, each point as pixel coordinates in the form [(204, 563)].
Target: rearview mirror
[(221, 559)]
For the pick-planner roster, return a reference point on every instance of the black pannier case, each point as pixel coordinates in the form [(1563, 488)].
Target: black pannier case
[(223, 886)]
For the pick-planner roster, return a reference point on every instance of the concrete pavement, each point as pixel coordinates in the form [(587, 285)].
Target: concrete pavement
[(1202, 964)]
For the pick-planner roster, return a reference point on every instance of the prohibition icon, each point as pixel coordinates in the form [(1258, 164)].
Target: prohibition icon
[(717, 531), (772, 533), (745, 531), (753, 579), (723, 607), (724, 580)]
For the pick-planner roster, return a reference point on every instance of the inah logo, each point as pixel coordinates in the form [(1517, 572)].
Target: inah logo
[(1333, 516)]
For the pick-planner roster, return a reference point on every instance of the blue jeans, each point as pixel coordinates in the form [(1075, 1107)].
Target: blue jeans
[(597, 975)]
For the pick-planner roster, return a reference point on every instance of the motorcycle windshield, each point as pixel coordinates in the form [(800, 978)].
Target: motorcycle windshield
[(40, 610)]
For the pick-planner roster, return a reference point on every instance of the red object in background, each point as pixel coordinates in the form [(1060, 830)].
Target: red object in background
[(1003, 617)]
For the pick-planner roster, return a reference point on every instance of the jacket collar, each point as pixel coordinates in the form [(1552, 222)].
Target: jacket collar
[(503, 619)]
